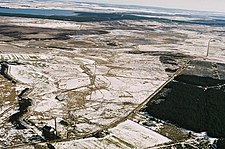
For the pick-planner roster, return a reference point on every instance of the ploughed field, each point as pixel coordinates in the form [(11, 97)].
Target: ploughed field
[(194, 100)]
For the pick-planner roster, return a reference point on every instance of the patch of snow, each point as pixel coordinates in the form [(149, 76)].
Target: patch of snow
[(138, 135)]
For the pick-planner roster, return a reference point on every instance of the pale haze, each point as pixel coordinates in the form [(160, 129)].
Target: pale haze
[(203, 5)]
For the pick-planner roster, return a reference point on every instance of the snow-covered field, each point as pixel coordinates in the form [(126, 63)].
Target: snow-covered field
[(126, 135), (97, 91)]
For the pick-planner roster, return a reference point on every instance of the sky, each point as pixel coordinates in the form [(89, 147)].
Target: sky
[(202, 5)]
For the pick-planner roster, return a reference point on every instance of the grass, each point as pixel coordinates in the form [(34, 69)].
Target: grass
[(7, 91), (172, 132)]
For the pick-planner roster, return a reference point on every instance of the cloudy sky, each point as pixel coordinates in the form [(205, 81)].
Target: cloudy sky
[(207, 5)]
